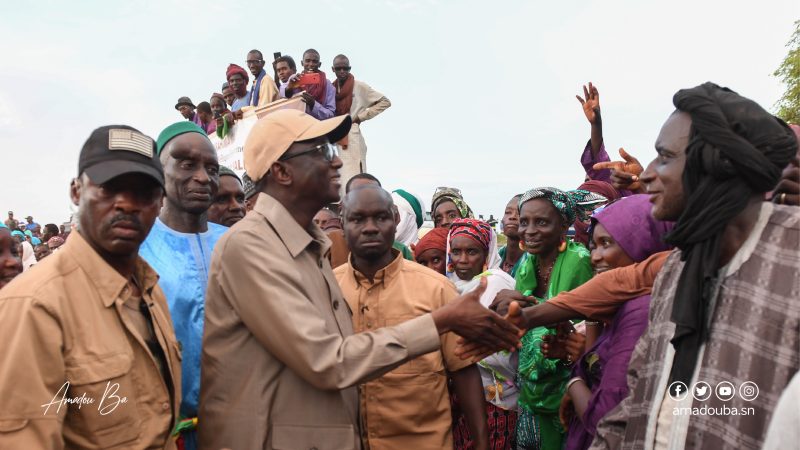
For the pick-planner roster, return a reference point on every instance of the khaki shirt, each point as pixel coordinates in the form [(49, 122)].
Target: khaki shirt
[(65, 334), (409, 407), (280, 361)]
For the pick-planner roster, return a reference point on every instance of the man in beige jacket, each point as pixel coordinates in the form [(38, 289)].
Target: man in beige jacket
[(280, 361), (361, 103), (89, 357)]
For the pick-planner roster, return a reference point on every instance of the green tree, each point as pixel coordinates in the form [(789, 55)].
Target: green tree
[(789, 73)]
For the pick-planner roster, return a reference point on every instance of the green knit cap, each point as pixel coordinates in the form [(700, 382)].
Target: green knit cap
[(223, 170), (177, 129)]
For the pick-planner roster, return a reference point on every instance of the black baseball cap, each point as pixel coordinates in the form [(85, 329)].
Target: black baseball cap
[(115, 150)]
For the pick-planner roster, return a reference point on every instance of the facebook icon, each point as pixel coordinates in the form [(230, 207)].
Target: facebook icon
[(678, 391)]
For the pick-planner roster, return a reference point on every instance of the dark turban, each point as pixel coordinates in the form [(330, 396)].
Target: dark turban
[(736, 149)]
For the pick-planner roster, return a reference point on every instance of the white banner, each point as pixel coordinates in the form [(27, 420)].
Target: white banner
[(229, 149)]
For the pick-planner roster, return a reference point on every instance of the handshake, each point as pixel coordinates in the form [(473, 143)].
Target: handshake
[(483, 331)]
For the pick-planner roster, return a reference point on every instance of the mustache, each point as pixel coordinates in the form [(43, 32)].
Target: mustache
[(121, 217)]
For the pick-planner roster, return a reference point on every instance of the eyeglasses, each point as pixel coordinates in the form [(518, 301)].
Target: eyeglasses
[(328, 151), (346, 69), (254, 61)]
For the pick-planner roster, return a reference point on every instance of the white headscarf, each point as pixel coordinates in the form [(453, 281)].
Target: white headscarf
[(407, 230), (28, 257)]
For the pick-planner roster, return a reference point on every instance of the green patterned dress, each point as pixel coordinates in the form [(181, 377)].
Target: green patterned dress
[(542, 380)]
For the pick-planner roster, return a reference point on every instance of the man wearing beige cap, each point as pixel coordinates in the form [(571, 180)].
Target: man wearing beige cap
[(280, 361)]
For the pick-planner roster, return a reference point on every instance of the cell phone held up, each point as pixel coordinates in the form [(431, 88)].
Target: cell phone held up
[(309, 79)]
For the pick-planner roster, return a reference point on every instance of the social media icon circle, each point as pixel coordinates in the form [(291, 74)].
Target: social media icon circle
[(748, 391), (725, 390), (701, 391), (678, 390)]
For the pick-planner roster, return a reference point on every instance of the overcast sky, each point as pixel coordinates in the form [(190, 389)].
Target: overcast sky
[(483, 94)]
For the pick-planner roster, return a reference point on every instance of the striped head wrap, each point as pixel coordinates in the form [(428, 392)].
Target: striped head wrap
[(477, 230), (570, 204)]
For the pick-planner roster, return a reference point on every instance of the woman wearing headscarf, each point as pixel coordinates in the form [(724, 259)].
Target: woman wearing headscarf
[(600, 188), (622, 233), (448, 205), (431, 250), (554, 264), (471, 250)]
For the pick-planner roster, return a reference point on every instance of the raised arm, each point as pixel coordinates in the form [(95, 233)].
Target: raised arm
[(624, 174), (591, 109)]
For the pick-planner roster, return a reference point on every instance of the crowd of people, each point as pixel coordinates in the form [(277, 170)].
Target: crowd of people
[(190, 307), (344, 95)]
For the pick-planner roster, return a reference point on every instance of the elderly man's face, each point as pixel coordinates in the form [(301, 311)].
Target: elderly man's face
[(228, 207), (255, 62), (663, 178), (191, 172), (370, 223), (116, 217), (312, 174)]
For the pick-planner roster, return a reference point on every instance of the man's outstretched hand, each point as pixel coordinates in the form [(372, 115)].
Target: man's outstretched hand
[(469, 319), (505, 297), (477, 351), (590, 103), (624, 174)]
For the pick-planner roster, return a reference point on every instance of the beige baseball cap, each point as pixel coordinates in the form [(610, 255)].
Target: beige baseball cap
[(272, 135)]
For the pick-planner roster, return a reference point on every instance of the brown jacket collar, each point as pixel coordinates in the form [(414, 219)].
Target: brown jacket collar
[(108, 282), (294, 237)]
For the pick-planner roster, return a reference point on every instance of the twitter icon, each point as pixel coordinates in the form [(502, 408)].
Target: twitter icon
[(701, 391)]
